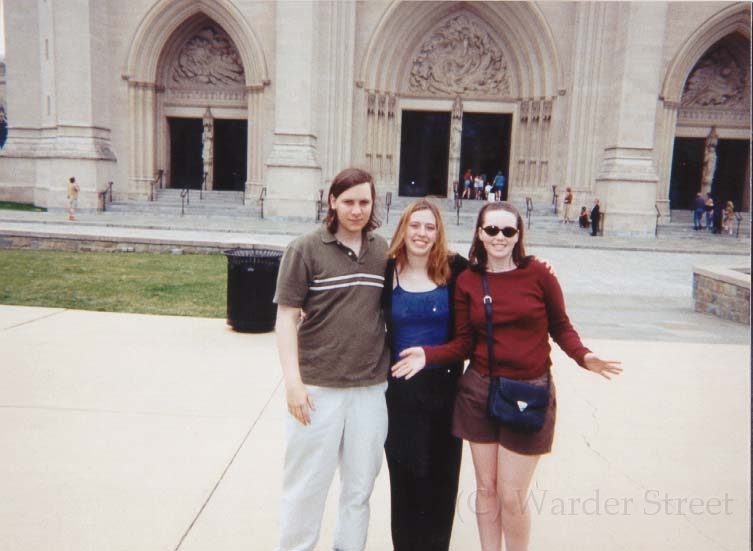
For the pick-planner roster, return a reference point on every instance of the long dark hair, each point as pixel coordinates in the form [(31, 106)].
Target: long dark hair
[(477, 255), (341, 183), (437, 267)]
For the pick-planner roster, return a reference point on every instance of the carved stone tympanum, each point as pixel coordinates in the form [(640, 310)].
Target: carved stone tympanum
[(209, 58), (717, 80), (460, 58)]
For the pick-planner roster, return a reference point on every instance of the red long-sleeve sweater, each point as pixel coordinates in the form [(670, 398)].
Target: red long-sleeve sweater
[(527, 307)]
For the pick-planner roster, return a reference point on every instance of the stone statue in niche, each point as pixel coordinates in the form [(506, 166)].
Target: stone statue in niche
[(456, 134), (209, 58), (709, 161), (460, 58), (717, 80)]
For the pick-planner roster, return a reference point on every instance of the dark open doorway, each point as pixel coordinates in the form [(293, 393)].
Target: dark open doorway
[(729, 177), (485, 145), (186, 165), (230, 140), (424, 153), (687, 170)]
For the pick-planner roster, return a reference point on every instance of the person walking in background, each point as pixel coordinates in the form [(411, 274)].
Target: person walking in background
[(709, 208), (583, 217), (595, 217), (73, 190), (567, 203), (335, 362), (527, 307), (499, 185), (699, 207), (478, 187), (422, 455), (467, 182), (728, 217)]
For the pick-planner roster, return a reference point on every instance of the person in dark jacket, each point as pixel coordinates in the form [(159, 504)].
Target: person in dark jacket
[(423, 456), (595, 217)]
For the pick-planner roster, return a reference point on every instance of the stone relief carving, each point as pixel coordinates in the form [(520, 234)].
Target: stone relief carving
[(716, 80), (209, 58), (460, 58)]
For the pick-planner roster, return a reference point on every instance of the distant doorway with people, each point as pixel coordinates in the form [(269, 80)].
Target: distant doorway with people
[(230, 139), (424, 153), (687, 171), (730, 178), (485, 146), (186, 165)]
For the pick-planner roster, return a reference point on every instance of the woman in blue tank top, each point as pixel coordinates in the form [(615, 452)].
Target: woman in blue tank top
[(422, 455)]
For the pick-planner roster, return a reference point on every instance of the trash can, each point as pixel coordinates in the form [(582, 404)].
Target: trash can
[(251, 284)]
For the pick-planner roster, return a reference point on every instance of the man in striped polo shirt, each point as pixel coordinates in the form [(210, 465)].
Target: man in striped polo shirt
[(335, 364)]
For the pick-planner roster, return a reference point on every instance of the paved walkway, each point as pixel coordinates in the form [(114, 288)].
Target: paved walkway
[(133, 432)]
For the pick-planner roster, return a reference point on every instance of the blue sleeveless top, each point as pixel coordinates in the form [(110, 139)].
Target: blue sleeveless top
[(419, 319)]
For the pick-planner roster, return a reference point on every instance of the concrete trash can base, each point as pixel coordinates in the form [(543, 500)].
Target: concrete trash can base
[(251, 285)]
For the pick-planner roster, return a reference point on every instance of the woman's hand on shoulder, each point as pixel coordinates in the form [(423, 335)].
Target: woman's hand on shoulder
[(605, 368), (412, 360)]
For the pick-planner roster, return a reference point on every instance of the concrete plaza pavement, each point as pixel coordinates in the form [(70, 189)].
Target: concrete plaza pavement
[(151, 433)]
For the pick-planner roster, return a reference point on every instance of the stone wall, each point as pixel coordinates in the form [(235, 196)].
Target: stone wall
[(723, 292)]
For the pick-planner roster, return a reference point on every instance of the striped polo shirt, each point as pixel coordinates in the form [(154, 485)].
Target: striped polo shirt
[(341, 342)]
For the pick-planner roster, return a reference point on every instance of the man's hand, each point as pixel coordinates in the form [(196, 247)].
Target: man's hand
[(299, 402)]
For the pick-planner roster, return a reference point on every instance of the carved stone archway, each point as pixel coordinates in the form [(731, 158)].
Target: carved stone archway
[(156, 42), (702, 89), (498, 57), (200, 76)]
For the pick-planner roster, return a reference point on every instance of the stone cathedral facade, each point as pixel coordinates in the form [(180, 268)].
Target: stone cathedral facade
[(639, 104)]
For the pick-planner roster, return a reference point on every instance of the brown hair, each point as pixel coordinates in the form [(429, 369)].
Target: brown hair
[(346, 179), (477, 254), (437, 267)]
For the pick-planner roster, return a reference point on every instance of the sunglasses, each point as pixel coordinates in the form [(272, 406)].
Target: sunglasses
[(507, 231)]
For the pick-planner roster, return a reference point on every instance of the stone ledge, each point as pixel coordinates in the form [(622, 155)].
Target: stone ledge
[(723, 291)]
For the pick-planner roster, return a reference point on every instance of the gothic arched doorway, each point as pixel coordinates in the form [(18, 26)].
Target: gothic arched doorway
[(203, 108), (711, 150)]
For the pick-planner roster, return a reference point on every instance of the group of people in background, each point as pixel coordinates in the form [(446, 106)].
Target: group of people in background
[(585, 219), (713, 217), (349, 307), (476, 186)]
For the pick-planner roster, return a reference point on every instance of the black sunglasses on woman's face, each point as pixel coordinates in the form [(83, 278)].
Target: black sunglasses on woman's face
[(507, 231)]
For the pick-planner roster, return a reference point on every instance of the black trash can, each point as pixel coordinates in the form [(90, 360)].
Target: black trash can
[(251, 285)]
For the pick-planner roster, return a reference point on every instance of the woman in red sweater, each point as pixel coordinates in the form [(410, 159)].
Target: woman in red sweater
[(528, 307)]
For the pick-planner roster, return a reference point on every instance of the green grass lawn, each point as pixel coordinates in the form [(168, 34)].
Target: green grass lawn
[(7, 205), (182, 285)]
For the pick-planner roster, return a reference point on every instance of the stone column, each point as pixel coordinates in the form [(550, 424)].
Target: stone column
[(207, 151), (667, 117), (456, 134), (586, 111), (293, 173), (627, 179), (709, 161)]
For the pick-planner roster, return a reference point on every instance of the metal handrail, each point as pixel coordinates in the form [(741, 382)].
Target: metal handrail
[(658, 215), (554, 199), (458, 197), (153, 183), (529, 211), (185, 198), (103, 195), (319, 205), (203, 186), (262, 195), (739, 218)]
